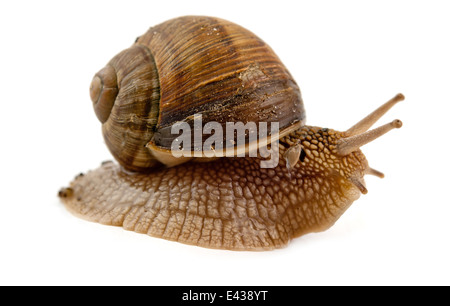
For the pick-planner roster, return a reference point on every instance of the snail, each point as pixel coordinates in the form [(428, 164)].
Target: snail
[(191, 67)]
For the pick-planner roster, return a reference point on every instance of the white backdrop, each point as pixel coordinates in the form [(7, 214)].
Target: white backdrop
[(347, 56)]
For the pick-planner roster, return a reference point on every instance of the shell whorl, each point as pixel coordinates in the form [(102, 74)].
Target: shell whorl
[(103, 91), (129, 116)]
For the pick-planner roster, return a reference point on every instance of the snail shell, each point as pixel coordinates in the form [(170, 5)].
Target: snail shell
[(184, 67)]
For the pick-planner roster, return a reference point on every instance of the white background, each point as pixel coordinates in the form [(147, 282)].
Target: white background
[(347, 56)]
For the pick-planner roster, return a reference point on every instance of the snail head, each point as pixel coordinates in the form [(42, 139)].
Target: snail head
[(320, 149)]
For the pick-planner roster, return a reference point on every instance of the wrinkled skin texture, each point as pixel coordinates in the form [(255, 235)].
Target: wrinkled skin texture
[(229, 203)]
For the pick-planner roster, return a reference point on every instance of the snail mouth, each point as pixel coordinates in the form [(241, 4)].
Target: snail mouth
[(103, 92)]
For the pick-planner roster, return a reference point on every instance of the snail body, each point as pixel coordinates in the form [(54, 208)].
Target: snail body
[(202, 65)]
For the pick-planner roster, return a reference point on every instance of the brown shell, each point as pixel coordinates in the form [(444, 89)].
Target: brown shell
[(221, 70), (131, 123), (205, 66)]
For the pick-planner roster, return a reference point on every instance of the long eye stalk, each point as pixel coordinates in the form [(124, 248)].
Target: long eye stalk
[(358, 134), (348, 145), (373, 117)]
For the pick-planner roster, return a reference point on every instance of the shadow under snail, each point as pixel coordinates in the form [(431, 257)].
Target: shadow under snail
[(206, 66)]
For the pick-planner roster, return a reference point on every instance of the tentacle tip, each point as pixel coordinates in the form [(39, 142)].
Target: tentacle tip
[(399, 97), (359, 183), (397, 123), (362, 188)]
